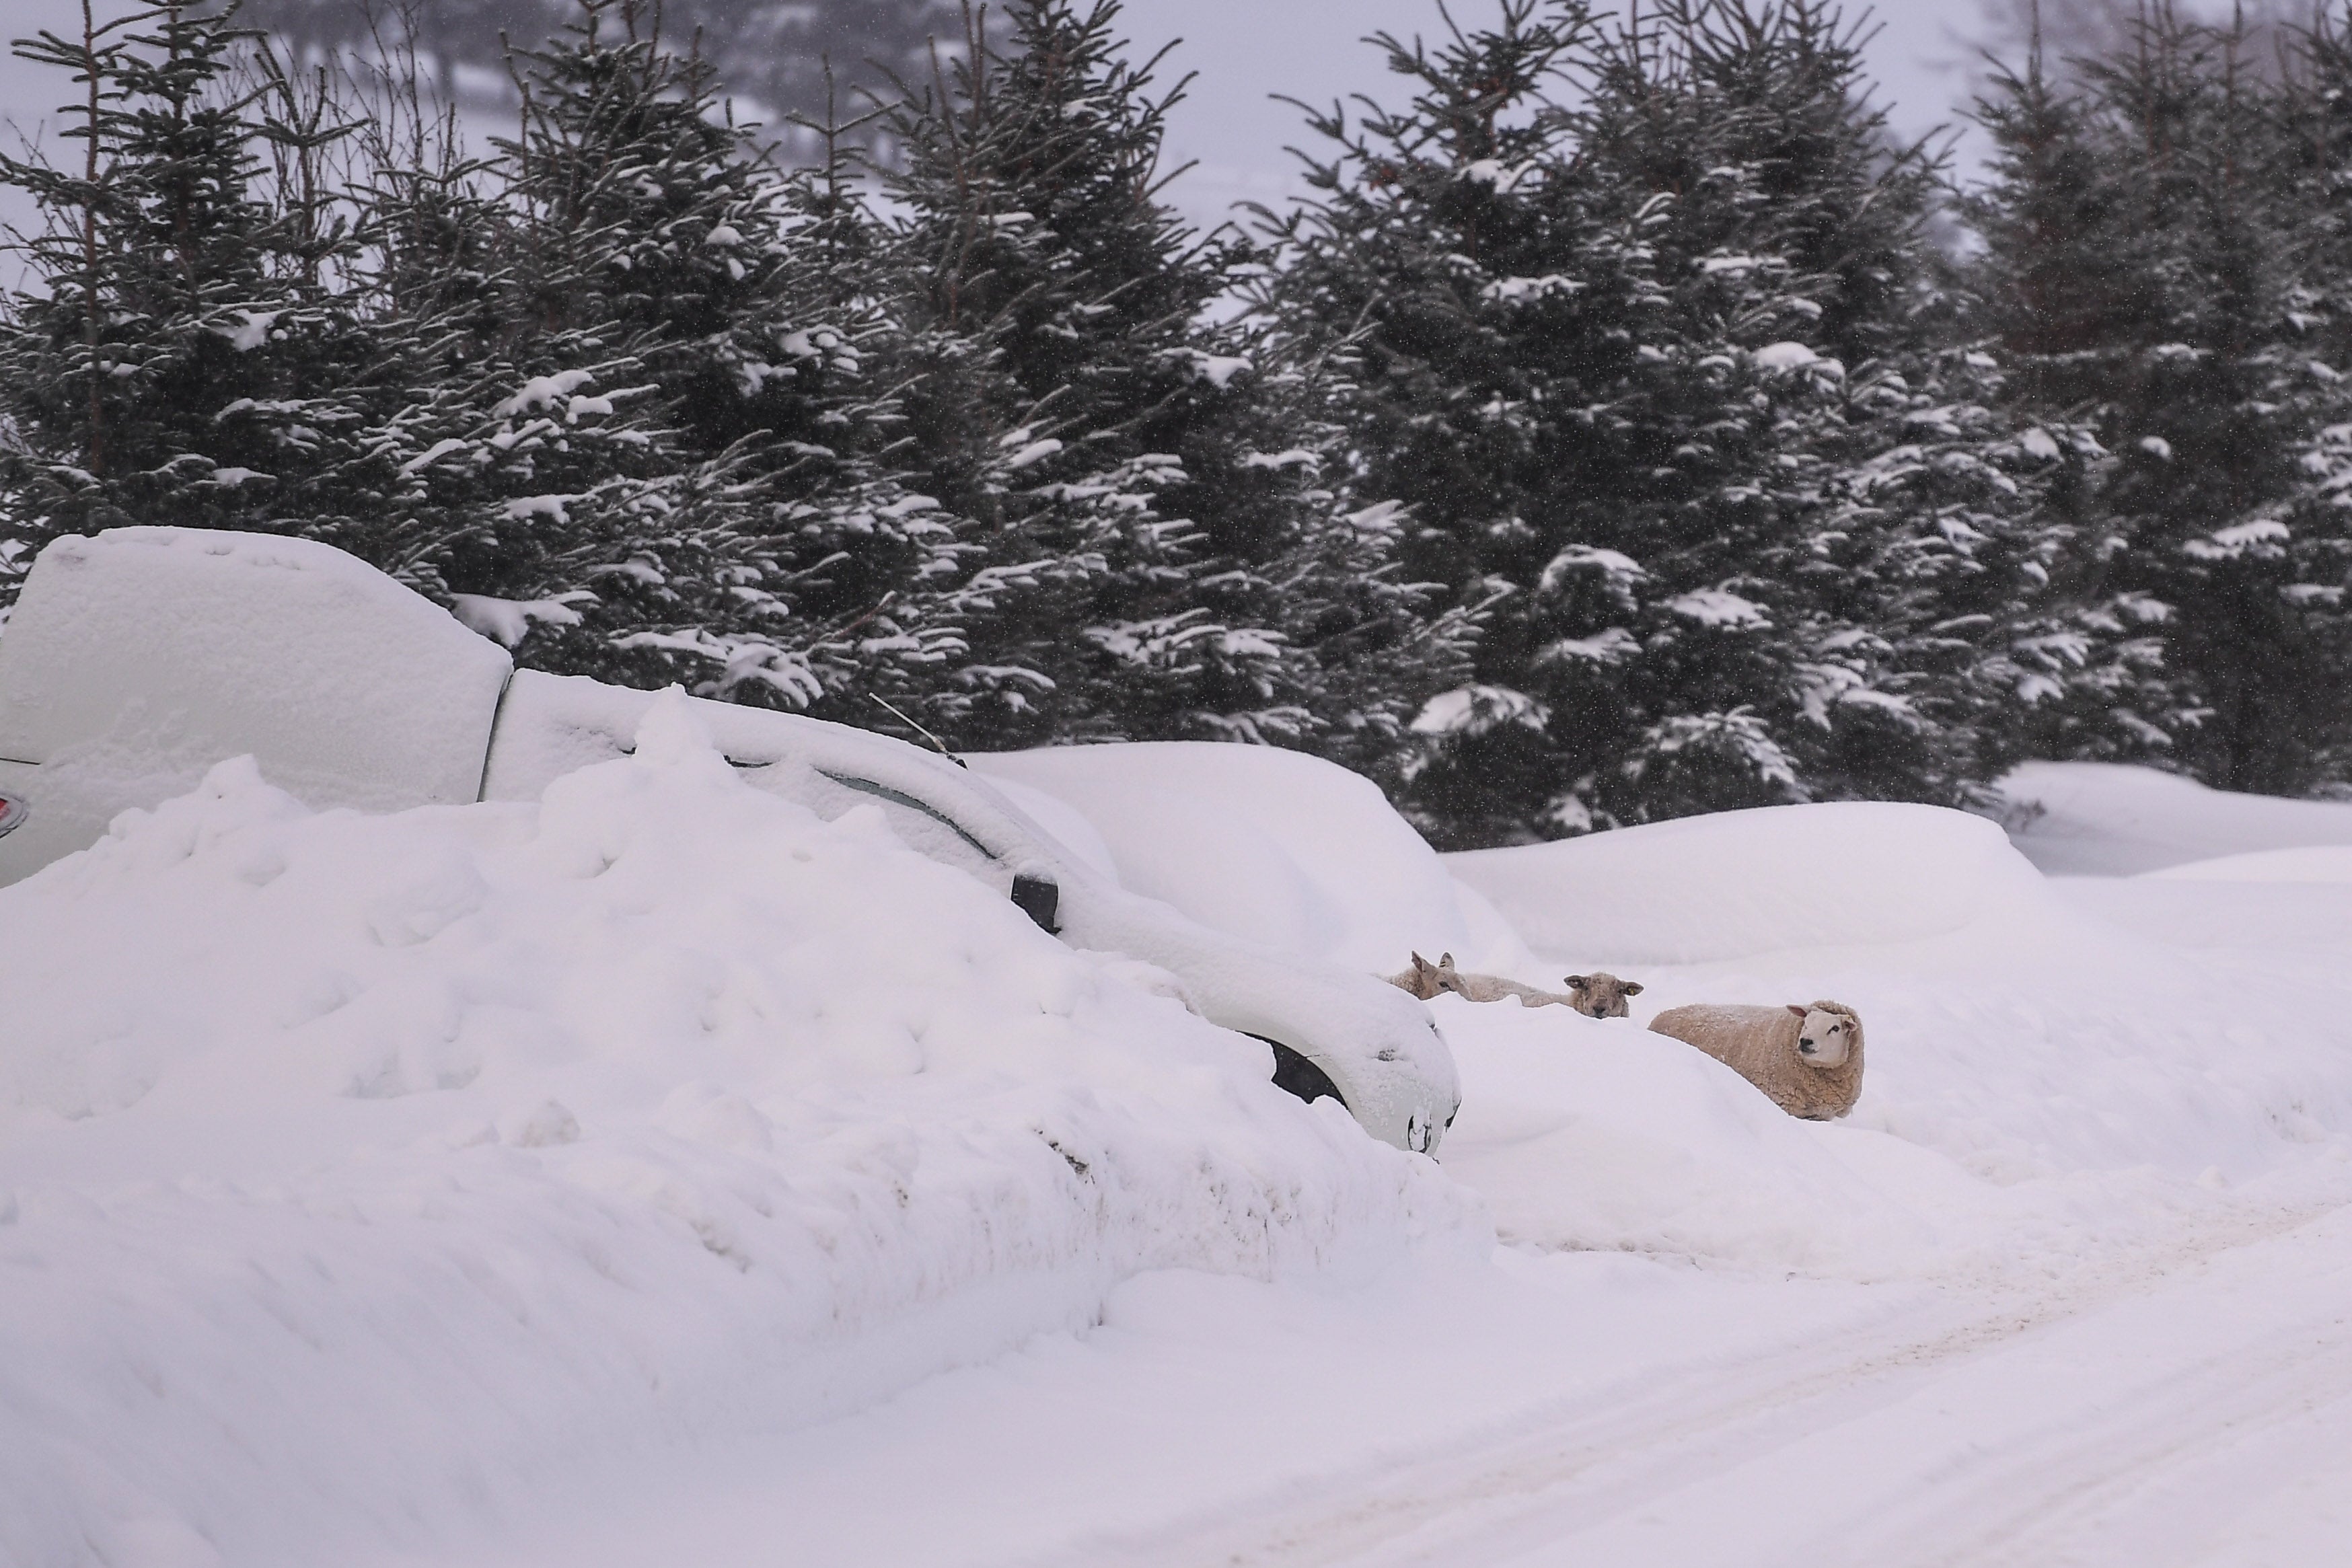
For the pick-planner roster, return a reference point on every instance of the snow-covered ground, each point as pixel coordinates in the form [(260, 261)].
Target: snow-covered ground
[(658, 1173), (2099, 819)]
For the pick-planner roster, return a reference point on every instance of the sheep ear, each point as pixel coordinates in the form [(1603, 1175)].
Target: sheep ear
[(1574, 982), (1632, 987), (1794, 1009)]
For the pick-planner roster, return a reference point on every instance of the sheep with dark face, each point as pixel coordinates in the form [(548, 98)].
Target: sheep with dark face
[(1807, 1061)]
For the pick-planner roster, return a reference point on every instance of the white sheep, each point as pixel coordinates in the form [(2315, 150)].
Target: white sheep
[(1599, 995), (1807, 1061)]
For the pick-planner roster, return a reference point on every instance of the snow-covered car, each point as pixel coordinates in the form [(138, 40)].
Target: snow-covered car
[(137, 659)]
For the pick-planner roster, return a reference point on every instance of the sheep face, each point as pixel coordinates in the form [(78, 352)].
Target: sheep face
[(1601, 995), (1825, 1039), (1424, 980)]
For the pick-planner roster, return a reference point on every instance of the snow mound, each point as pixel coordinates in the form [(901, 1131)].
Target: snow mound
[(352, 1166), (1286, 851), (2102, 818), (1591, 1135), (2329, 863), (1762, 880), (2034, 1088), (2040, 1064)]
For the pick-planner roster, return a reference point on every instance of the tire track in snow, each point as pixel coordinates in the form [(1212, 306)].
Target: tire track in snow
[(2156, 1456), (2159, 1480), (1756, 1463)]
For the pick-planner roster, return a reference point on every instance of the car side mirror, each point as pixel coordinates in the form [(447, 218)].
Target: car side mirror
[(1039, 898)]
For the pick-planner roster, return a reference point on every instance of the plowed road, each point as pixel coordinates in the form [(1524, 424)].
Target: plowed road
[(2187, 1409), (2200, 1416)]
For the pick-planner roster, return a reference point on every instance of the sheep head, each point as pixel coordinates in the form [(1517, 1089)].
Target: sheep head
[(1825, 1036), (1423, 980), (1601, 995)]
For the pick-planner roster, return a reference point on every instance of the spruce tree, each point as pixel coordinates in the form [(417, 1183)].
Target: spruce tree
[(720, 517), (1157, 538), (1642, 309), (184, 350), (1453, 252), (2051, 299), (603, 391), (2313, 107), (638, 442), (2148, 269)]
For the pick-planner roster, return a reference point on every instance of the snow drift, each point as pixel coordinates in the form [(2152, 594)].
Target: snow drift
[(658, 1103), (2323, 863), (1762, 880), (2102, 818), (1286, 851), (2040, 1069)]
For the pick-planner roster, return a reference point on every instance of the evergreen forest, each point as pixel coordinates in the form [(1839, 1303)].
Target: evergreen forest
[(1631, 424)]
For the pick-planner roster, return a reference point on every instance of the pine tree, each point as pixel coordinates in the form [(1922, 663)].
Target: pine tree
[(2314, 110), (1451, 249), (1610, 329), (637, 441), (2052, 296), (1938, 602), (1374, 643), (602, 392), (723, 518), (2147, 268), (1788, 238), (2205, 456), (1158, 547), (184, 353)]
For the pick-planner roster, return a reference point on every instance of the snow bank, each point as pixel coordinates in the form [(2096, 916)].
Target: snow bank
[(356, 1170), (2000, 1129), (1594, 1134), (2041, 1069), (2044, 1067), (2327, 863), (1286, 851), (1378, 1046), (1762, 880), (2098, 819), (365, 1178)]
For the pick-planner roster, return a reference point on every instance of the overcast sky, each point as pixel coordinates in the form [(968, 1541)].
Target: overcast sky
[(1244, 51)]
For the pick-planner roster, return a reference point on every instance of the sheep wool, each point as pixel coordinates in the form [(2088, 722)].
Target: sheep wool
[(1490, 988), (1760, 1043), (1596, 996)]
